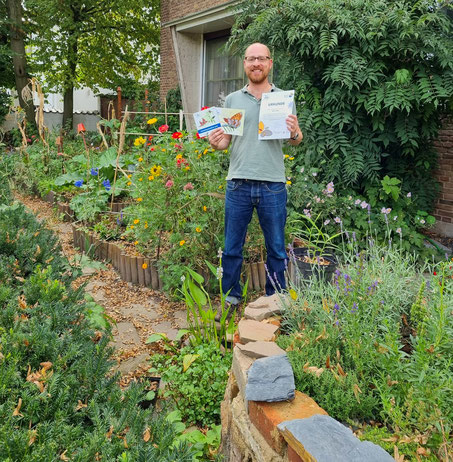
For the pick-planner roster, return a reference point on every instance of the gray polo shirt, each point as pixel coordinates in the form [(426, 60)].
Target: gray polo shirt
[(250, 157)]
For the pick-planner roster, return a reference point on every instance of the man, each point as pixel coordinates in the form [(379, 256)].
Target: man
[(256, 179)]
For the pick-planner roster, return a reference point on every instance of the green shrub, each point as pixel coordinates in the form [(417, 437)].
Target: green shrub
[(195, 379), (375, 78)]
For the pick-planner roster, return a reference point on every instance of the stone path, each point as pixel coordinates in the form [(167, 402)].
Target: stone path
[(137, 311)]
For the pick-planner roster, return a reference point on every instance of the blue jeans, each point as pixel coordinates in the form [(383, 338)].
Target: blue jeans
[(269, 199)]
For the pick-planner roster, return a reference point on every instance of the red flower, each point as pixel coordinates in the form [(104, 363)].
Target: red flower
[(80, 128), (198, 136), (163, 128), (176, 135), (204, 107), (188, 187), (150, 137), (435, 274), (152, 149)]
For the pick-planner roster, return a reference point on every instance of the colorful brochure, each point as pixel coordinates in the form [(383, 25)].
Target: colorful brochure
[(276, 106), (230, 120)]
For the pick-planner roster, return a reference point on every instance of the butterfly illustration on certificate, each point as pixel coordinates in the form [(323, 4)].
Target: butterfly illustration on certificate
[(232, 121)]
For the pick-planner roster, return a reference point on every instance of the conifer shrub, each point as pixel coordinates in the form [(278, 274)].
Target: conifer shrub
[(58, 397)]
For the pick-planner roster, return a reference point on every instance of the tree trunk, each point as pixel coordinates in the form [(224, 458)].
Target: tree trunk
[(14, 8), (68, 98)]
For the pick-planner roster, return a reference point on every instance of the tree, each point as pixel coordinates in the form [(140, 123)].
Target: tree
[(14, 15), (376, 76), (92, 43)]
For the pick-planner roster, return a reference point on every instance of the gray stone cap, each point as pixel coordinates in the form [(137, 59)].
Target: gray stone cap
[(327, 440)]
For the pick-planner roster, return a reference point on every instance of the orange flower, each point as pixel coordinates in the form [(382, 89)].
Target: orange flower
[(205, 209), (176, 135), (140, 159), (139, 199), (144, 266), (136, 221), (198, 230), (181, 243)]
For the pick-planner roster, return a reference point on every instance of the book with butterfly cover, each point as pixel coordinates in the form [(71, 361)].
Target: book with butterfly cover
[(230, 120), (275, 107)]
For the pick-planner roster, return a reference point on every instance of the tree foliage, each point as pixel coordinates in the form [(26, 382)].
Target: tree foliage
[(93, 43), (374, 78)]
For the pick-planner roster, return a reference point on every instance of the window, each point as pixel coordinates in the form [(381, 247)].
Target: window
[(223, 73)]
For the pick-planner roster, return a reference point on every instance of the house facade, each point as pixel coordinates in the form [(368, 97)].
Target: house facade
[(192, 37)]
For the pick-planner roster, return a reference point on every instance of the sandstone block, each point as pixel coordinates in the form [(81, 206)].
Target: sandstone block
[(261, 349), (252, 331)]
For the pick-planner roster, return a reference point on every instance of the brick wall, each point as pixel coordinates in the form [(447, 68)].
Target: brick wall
[(444, 146), (171, 10)]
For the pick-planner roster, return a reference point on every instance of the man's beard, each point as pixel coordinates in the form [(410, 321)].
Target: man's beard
[(260, 78)]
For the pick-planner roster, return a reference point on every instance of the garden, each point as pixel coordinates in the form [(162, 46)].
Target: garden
[(367, 320)]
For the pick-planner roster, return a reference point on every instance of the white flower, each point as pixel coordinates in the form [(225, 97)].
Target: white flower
[(307, 213), (350, 198), (219, 273), (422, 222), (183, 278), (363, 204), (220, 253), (357, 201), (337, 220), (314, 174), (326, 222), (398, 231), (302, 170), (409, 194), (330, 188), (395, 217)]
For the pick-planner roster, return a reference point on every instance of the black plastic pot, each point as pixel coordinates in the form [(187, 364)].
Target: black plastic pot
[(307, 270)]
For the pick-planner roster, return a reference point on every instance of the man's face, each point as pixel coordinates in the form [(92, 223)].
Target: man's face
[(257, 69)]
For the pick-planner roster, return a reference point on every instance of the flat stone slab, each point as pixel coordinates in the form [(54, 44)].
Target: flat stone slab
[(327, 440), (94, 285), (181, 319), (87, 271), (165, 327), (140, 312), (132, 364), (253, 331), (264, 307), (125, 336), (99, 296), (261, 349), (270, 379), (240, 366)]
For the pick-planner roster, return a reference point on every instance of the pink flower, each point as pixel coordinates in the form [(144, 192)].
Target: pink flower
[(163, 128), (59, 153), (169, 184), (188, 187)]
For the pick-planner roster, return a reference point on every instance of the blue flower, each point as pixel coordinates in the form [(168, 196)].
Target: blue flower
[(94, 171), (336, 307), (78, 183), (106, 184)]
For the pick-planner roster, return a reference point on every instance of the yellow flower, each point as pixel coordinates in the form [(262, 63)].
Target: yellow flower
[(163, 150), (151, 121), (139, 141), (288, 182), (140, 159), (205, 208), (291, 158), (286, 156), (136, 221), (198, 230), (220, 187), (139, 199), (181, 243), (205, 151), (156, 170), (196, 150), (136, 242), (179, 156), (144, 266), (187, 168), (226, 151), (140, 179), (132, 226), (129, 176), (199, 156), (150, 178), (146, 224), (129, 183), (293, 294)]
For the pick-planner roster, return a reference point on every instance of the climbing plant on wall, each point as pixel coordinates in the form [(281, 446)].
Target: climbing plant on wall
[(375, 77)]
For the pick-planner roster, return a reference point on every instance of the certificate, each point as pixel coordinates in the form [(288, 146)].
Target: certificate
[(276, 106), (230, 120)]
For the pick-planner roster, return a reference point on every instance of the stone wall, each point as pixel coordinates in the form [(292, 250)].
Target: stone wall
[(444, 206), (264, 419)]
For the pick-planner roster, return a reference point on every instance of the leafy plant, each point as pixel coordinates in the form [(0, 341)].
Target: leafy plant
[(195, 379)]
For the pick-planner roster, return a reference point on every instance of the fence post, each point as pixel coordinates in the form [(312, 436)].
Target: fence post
[(146, 101), (181, 119), (119, 104), (165, 109)]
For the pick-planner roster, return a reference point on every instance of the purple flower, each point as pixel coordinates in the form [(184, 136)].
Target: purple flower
[(364, 205), (336, 307), (337, 220), (94, 171), (78, 183), (106, 184)]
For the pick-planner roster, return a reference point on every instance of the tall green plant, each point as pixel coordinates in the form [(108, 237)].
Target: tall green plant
[(375, 77)]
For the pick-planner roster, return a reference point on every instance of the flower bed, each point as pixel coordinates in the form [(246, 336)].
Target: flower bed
[(374, 349)]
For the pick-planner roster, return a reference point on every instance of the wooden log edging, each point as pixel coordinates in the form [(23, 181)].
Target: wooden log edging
[(140, 269)]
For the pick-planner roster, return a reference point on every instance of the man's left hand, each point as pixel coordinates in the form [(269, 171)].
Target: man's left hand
[(293, 126)]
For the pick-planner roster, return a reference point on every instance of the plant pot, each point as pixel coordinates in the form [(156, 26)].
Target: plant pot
[(321, 265)]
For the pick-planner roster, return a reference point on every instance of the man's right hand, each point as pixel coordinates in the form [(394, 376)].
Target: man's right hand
[(218, 139)]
